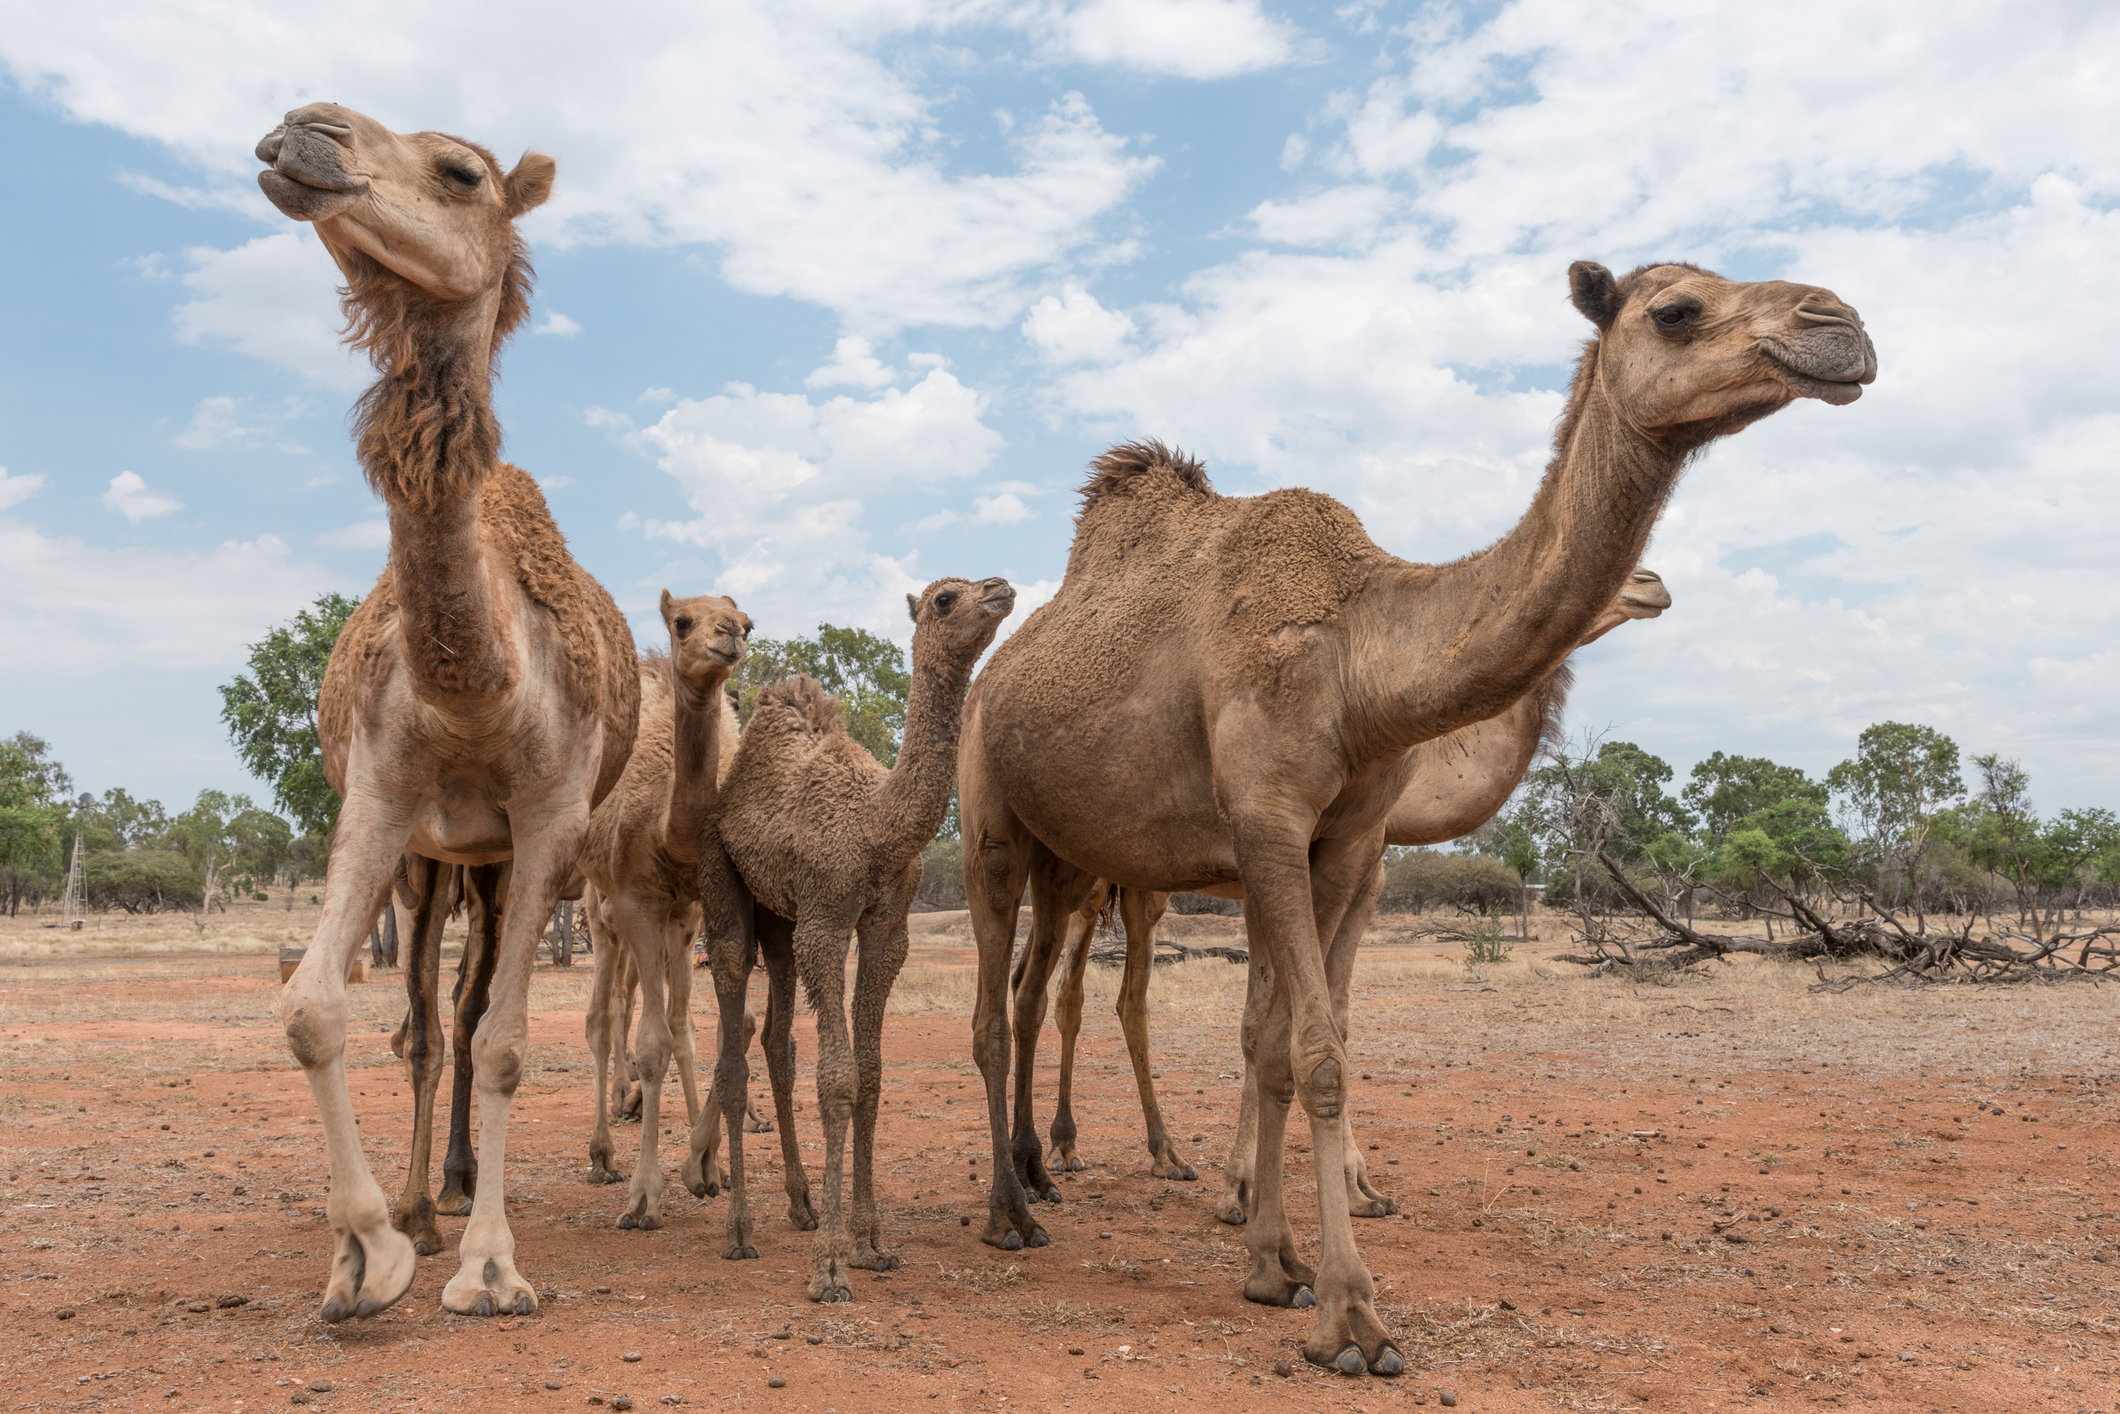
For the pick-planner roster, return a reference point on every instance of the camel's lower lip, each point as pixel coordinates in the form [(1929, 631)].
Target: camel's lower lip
[(304, 202), (999, 604), (1826, 390), (720, 655)]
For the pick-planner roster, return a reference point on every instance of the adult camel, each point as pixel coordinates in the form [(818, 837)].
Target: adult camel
[(1458, 784), (484, 696), (1224, 693)]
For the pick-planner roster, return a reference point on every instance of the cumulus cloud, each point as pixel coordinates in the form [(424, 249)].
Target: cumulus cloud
[(558, 324), (1072, 327), (778, 482), (1194, 39), (223, 422), (17, 487), (274, 298), (853, 362), (129, 497), (361, 535), (77, 607)]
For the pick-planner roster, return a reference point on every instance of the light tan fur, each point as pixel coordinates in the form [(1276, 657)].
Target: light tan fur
[(814, 841), (642, 862), (1225, 693), (482, 701)]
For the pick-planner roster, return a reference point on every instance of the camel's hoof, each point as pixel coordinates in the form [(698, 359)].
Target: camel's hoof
[(1051, 1194), (1231, 1214), (1038, 1237), (1011, 1243), (1348, 1362), (337, 1309), (1388, 1361), (1375, 1209), (454, 1203), (1304, 1297), (802, 1217), (758, 1126), (427, 1243), (739, 1252), (483, 1306)]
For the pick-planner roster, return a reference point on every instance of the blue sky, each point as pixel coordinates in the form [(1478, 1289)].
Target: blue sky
[(835, 298)]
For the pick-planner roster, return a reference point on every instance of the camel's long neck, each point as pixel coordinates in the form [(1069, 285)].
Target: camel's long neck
[(694, 767), (427, 438), (907, 808), (1444, 646)]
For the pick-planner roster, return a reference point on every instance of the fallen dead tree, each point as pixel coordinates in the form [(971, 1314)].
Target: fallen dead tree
[(1111, 952), (1657, 940)]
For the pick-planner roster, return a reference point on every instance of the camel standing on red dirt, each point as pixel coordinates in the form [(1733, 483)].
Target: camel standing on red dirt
[(1224, 694), (484, 697)]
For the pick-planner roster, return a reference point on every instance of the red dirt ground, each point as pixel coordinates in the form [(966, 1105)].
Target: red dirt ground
[(1796, 1236)]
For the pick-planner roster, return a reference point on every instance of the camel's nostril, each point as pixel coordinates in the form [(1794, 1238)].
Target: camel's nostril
[(268, 149)]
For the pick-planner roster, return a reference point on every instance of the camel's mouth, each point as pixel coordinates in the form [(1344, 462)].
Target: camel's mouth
[(998, 601), (1829, 357), (307, 177), (724, 656)]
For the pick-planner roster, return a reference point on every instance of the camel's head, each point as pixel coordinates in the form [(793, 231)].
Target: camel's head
[(435, 210), (708, 634), (1684, 351), (956, 618), (1643, 596)]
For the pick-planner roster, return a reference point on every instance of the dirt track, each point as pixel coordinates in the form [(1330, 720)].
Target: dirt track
[(1826, 1216)]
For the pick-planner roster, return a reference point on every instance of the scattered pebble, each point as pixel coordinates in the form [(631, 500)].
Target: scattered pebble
[(1447, 1399), (776, 1383), (1283, 1369), (64, 1313), (320, 1386), (631, 1357)]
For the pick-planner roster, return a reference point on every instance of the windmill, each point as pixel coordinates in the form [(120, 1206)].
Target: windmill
[(73, 905)]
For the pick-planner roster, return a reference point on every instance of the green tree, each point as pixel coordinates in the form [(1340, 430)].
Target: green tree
[(118, 822), (864, 671), (34, 817), (1725, 789), (271, 711), (1901, 778)]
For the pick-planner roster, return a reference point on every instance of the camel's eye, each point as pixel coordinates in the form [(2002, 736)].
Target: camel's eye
[(1676, 315), (466, 177), (945, 600), (683, 626)]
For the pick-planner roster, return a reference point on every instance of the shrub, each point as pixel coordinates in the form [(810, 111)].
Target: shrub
[(942, 875), (139, 881), (1206, 903), (1476, 883)]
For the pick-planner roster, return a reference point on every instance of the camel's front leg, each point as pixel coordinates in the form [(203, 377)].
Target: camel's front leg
[(522, 893), (1363, 1201), (1301, 893), (728, 926), (486, 887), (677, 964), (883, 948), (433, 887), (1058, 890), (642, 926), (1067, 1016), (821, 956), (1140, 911), (372, 1263), (776, 948), (597, 1029)]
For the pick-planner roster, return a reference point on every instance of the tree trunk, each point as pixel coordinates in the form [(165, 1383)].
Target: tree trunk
[(563, 934)]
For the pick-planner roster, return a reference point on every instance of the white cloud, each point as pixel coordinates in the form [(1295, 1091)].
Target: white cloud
[(558, 324), (361, 535), (555, 483), (1071, 327), (778, 483), (18, 487), (1194, 39), (771, 133), (1005, 508), (129, 497), (853, 362), (222, 422), (79, 608), (273, 298)]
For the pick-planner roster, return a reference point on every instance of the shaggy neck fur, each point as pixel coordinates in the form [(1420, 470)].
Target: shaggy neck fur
[(919, 785), (426, 437), (1447, 646)]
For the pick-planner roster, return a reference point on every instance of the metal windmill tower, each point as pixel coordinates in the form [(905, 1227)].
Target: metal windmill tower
[(72, 906)]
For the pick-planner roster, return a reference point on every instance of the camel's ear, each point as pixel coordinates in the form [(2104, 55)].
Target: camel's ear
[(1595, 293), (529, 184), (912, 607), (667, 601)]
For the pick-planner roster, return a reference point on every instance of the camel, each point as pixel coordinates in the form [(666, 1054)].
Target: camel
[(642, 862), (813, 840), (1224, 693), (1458, 783), (483, 698)]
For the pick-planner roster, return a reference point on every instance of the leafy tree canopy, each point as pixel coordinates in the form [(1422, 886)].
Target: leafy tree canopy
[(271, 711), (865, 672), (1902, 775), (1725, 789)]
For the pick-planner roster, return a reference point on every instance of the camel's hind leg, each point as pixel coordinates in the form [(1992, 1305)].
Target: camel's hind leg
[(882, 931), (432, 888), (1058, 890), (485, 886), (820, 949), (1067, 1016), (677, 980), (611, 974), (372, 1263), (1140, 910), (776, 947), (625, 1076)]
